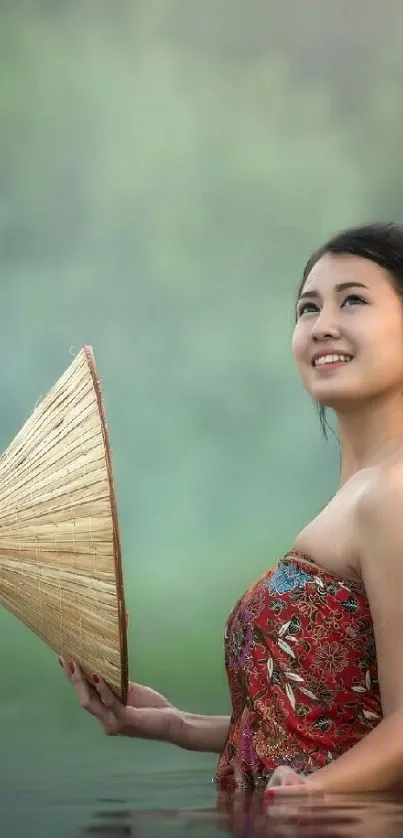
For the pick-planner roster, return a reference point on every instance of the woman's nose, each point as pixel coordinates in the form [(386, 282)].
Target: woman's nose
[(325, 327)]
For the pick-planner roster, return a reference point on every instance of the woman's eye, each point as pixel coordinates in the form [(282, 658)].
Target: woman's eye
[(306, 308), (350, 300), (354, 299)]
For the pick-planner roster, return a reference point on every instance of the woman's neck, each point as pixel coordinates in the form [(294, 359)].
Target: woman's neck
[(369, 434)]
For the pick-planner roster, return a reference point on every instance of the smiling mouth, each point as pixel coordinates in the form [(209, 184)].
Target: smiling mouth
[(331, 360)]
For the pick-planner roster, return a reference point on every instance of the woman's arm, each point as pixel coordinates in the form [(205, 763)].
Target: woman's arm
[(376, 762), (147, 714), (203, 733)]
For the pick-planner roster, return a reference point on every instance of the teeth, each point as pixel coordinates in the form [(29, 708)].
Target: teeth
[(331, 359)]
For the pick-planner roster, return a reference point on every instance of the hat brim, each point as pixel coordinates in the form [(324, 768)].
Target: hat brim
[(60, 553)]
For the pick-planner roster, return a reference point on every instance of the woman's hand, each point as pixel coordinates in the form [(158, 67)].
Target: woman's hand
[(147, 715), (285, 781)]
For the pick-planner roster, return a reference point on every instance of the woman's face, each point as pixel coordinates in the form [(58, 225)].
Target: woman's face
[(348, 339)]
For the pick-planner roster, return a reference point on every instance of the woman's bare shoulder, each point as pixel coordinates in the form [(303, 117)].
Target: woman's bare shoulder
[(379, 510)]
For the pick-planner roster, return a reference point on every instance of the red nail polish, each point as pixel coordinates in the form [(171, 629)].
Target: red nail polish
[(269, 794), (71, 667), (95, 679)]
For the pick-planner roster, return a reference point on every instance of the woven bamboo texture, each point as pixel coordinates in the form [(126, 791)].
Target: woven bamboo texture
[(60, 561)]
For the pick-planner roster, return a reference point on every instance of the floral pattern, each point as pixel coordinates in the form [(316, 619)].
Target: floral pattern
[(301, 666), (330, 658), (286, 579)]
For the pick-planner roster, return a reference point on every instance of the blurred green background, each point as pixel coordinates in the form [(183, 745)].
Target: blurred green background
[(166, 167)]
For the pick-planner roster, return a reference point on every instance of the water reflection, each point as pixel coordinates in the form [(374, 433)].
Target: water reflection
[(50, 790), (249, 816)]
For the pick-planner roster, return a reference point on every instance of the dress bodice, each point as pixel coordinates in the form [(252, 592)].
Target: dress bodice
[(301, 666)]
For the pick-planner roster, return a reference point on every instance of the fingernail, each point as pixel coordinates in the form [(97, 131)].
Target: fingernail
[(269, 794), (95, 678), (71, 667)]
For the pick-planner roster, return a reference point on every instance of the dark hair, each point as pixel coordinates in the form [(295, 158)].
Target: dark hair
[(380, 242)]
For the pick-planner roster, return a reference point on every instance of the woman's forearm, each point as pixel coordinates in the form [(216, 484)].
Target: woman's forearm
[(203, 733), (374, 764)]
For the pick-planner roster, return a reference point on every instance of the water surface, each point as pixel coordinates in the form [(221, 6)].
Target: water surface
[(67, 784)]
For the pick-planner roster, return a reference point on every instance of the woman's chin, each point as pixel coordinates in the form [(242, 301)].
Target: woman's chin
[(336, 398)]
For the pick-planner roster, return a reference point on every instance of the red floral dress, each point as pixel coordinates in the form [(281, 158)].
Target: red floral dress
[(301, 665)]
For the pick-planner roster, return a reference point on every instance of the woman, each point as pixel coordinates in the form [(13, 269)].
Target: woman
[(312, 650)]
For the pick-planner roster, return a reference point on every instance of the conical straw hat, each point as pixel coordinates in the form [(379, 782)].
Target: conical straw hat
[(60, 561)]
